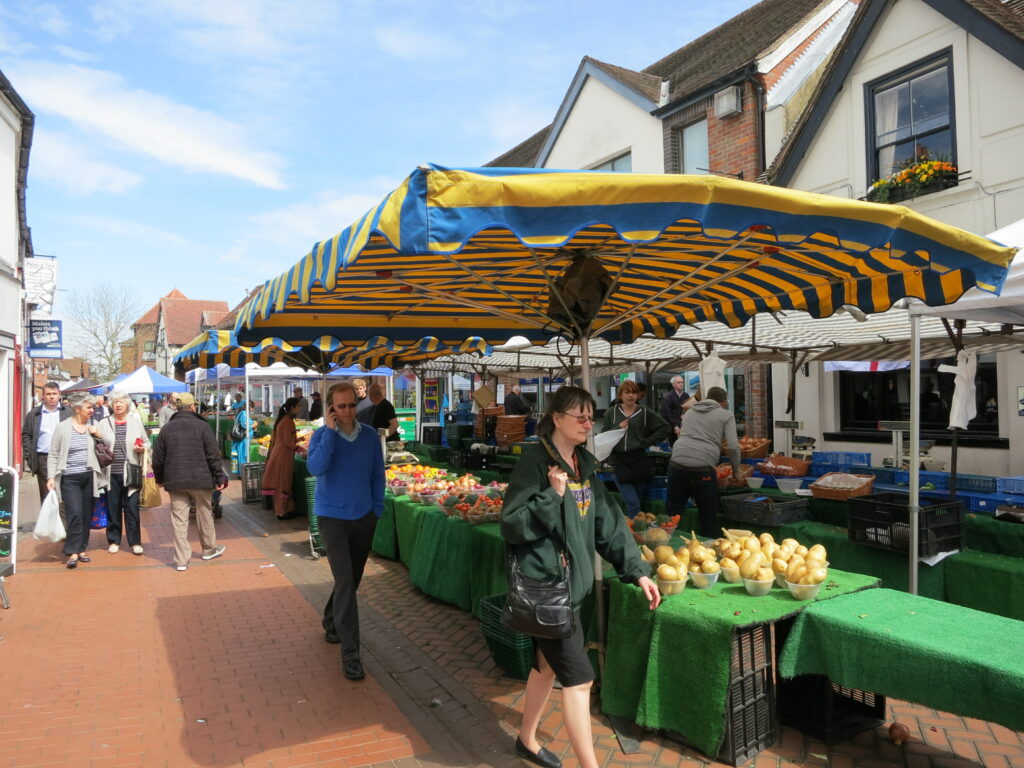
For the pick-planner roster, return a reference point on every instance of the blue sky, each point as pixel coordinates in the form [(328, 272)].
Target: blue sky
[(207, 144)]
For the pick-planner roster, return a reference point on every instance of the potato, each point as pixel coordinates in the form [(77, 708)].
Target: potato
[(816, 575), (646, 553), (795, 572), (694, 567), (769, 549), (790, 543), (749, 566), (662, 553), (728, 562), (668, 573), (700, 554), (674, 561), (764, 573), (734, 550), (742, 556), (784, 554), (752, 544), (819, 551), (766, 538), (801, 550), (779, 565), (683, 555), (710, 566)]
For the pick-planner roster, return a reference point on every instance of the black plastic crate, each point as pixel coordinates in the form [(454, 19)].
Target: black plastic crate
[(252, 481), (883, 520), (659, 462), (750, 724), (456, 459), (770, 513), (816, 706), (885, 475), (510, 650), (454, 431)]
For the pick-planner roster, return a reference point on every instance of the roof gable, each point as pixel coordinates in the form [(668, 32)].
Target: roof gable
[(999, 25), (152, 316), (182, 319)]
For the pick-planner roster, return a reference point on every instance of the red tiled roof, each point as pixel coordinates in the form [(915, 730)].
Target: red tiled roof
[(212, 317), (182, 318), (152, 317)]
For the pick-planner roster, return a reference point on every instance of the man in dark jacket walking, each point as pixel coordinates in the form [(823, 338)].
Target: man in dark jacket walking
[(37, 430), (187, 464), (672, 406)]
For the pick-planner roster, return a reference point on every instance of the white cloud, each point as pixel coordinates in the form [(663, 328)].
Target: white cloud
[(48, 17), (412, 45), (507, 123), (133, 231), (147, 123), (75, 54), (58, 159)]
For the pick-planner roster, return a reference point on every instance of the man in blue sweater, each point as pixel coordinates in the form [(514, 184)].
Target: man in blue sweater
[(346, 458)]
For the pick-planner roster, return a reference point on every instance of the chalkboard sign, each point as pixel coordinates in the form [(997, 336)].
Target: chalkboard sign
[(7, 502)]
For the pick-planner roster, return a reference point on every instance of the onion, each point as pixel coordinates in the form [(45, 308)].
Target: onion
[(898, 733)]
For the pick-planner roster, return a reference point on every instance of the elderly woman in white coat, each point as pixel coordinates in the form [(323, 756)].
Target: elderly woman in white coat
[(124, 431), (75, 474)]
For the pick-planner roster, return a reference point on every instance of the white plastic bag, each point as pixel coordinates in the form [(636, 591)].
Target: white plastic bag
[(604, 443), (49, 526)]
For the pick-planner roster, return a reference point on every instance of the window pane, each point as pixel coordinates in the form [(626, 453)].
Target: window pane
[(892, 114), (695, 148), (892, 158), (623, 164), (936, 145), (929, 102)]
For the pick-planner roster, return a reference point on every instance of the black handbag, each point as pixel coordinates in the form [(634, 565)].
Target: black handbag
[(237, 434), (539, 608), (132, 476)]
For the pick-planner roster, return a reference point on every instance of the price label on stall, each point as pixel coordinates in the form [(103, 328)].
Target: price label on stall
[(789, 424), (894, 426)]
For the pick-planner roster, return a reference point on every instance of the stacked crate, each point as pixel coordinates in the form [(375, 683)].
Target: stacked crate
[(480, 431), (510, 429)]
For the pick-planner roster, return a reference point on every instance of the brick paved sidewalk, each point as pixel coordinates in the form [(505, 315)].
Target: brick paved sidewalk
[(126, 662)]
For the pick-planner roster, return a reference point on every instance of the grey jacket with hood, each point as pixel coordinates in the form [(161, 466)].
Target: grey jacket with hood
[(705, 427)]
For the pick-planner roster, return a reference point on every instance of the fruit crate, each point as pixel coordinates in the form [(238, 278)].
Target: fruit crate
[(750, 724), (882, 520), (885, 475), (252, 481), (849, 458), (510, 650), (770, 513), (975, 483), (1014, 485)]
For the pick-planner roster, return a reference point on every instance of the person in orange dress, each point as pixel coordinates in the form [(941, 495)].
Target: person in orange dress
[(277, 475)]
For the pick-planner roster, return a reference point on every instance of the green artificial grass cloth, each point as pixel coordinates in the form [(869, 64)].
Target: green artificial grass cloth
[(441, 567), (996, 536), (986, 582), (944, 656), (486, 563), (385, 538), (670, 668), (408, 519)]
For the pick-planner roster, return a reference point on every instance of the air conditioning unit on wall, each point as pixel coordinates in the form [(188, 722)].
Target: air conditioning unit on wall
[(728, 102)]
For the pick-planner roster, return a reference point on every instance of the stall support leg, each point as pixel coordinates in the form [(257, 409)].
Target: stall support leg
[(915, 449)]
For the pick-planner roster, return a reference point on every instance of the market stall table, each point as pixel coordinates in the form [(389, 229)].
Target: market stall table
[(672, 668), (944, 656), (986, 582)]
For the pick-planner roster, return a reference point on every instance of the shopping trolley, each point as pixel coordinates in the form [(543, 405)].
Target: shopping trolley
[(316, 546)]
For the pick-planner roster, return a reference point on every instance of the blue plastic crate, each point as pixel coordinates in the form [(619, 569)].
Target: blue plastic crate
[(657, 482), (853, 458), (977, 483), (988, 503), (882, 474), (607, 477), (1013, 485), (939, 479), (660, 494), (821, 468)]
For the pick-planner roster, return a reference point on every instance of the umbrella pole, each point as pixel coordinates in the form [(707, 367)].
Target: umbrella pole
[(915, 448), (248, 426)]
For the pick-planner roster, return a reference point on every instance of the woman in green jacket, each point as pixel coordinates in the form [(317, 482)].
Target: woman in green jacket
[(555, 481), (629, 458)]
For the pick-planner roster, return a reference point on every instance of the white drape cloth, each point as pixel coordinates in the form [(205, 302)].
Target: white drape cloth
[(712, 372), (964, 407)]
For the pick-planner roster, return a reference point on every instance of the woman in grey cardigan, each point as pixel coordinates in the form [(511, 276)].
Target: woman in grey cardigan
[(124, 431), (76, 476)]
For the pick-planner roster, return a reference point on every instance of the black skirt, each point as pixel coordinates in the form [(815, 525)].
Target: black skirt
[(568, 657)]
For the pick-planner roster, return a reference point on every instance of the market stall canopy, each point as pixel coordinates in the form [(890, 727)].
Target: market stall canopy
[(494, 252), (141, 381), (1008, 306), (82, 385), (214, 347)]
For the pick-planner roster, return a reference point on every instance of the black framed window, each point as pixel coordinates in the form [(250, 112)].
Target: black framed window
[(911, 116), (867, 398)]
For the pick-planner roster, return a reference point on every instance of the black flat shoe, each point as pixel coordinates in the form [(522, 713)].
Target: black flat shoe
[(330, 634), (84, 559), (545, 758), (353, 670), (72, 562), (289, 516)]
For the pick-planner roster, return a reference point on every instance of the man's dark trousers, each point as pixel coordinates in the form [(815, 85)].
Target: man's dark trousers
[(701, 483), (348, 545), (41, 474)]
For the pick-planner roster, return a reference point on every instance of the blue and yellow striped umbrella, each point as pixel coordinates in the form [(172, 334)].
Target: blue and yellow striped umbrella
[(459, 253), (213, 347)]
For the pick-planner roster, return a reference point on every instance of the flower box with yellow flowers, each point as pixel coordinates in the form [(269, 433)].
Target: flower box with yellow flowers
[(920, 178)]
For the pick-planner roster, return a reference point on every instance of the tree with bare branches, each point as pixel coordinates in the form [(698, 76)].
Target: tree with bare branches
[(101, 317)]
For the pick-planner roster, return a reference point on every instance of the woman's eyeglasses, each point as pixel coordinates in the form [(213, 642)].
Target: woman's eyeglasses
[(580, 418)]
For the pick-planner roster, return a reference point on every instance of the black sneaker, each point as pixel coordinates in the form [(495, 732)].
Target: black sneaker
[(330, 634), (353, 669)]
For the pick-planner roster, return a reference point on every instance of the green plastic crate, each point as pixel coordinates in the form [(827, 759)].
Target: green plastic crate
[(316, 547), (510, 650)]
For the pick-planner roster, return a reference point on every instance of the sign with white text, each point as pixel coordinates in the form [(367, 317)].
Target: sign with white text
[(45, 338)]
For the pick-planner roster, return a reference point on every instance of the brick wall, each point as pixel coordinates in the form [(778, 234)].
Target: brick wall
[(758, 400), (133, 351)]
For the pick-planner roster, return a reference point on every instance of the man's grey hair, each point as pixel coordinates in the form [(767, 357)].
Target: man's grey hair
[(77, 400), (677, 378)]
